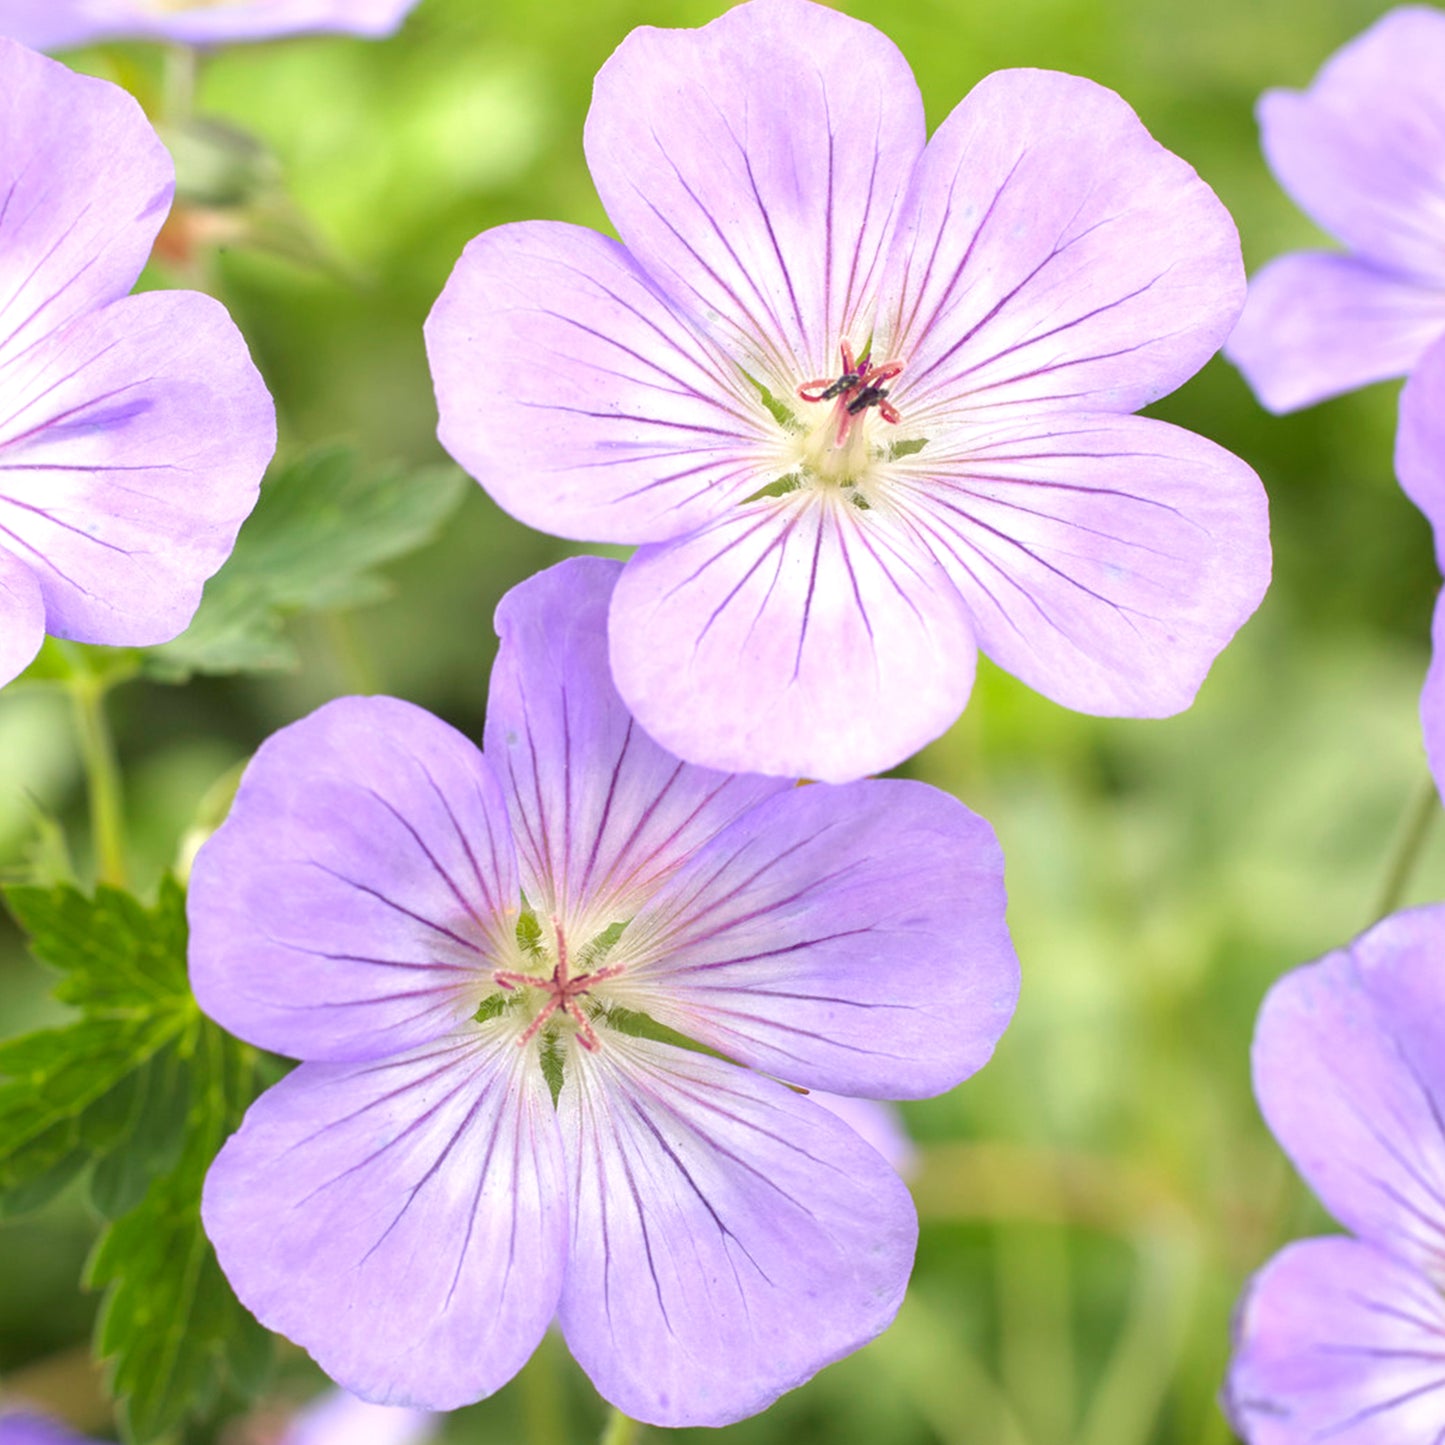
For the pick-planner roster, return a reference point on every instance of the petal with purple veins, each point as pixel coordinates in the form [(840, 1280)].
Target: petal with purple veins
[(580, 399), (1356, 149), (1052, 256), (355, 900), (1317, 325), (22, 616), (1337, 1341), (754, 167), (599, 811), (1105, 562), (729, 1238), (84, 186), (800, 635), (405, 1222), (132, 445), (1361, 1115), (848, 938)]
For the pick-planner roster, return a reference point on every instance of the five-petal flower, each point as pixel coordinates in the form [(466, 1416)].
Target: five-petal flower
[(863, 401), (1343, 1339), (134, 429), (493, 964)]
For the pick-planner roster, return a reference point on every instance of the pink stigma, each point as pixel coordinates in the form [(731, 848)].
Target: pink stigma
[(860, 387), (564, 993)]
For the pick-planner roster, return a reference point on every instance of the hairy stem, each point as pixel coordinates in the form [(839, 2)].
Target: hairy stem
[(620, 1429), (1414, 833), (102, 777)]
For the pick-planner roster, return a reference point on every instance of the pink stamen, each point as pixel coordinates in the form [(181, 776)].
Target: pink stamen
[(565, 992), (859, 387)]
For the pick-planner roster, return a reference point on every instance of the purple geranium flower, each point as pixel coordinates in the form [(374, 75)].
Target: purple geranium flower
[(1343, 1339), (136, 429), (1362, 152), (490, 962), (55, 24), (865, 403)]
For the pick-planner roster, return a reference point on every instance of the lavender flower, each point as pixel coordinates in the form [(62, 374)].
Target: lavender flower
[(21, 1427), (1343, 1339), (135, 428), (864, 403), (55, 24), (491, 964), (1360, 152)]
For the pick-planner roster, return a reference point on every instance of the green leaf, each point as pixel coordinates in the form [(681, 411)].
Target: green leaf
[(144, 1090), (172, 1329), (96, 1090), (322, 527)]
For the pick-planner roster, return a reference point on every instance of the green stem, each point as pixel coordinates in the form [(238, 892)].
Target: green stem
[(620, 1429), (178, 100), (1416, 830), (102, 776)]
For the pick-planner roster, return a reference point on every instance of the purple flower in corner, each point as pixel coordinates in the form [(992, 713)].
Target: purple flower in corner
[(1343, 1339), (544, 994), (863, 401), (1362, 152), (57, 24), (136, 429)]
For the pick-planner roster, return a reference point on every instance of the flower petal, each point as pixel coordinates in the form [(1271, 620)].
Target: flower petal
[(848, 938), (1053, 256), (599, 811), (1105, 562), (797, 636), (1337, 1341), (1316, 325), (344, 909), (132, 445), (1420, 441), (405, 1222), (754, 167), (729, 1238), (22, 616), (53, 24), (875, 1122), (337, 1418), (84, 187), (1354, 149), (579, 398), (1355, 1107)]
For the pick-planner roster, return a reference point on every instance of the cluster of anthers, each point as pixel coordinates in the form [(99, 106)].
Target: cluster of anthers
[(859, 387), (564, 993)]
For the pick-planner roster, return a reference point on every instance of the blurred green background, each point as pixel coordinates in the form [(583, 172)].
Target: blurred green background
[(1094, 1199)]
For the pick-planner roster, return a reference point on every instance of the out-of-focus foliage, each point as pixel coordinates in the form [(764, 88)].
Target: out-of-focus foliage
[(1094, 1199), (322, 525)]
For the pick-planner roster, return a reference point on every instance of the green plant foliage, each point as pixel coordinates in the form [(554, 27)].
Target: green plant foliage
[(144, 1089), (323, 525)]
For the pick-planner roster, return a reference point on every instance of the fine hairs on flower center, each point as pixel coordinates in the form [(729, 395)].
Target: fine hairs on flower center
[(555, 985), (840, 448)]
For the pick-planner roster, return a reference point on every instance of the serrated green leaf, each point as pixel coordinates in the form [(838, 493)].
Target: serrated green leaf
[(97, 1089), (322, 526), (170, 1326)]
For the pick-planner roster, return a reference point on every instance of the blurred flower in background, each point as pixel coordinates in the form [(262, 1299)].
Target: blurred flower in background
[(1362, 152), (333, 1418), (1340, 1338), (135, 428), (864, 401), (57, 24)]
